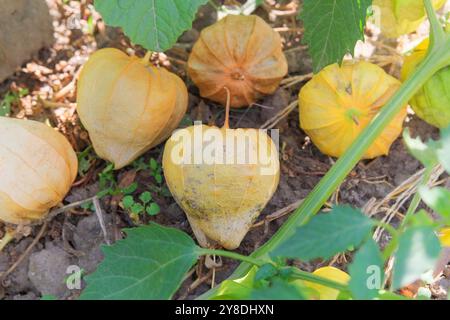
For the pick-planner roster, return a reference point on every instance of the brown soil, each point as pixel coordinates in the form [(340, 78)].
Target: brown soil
[(74, 238)]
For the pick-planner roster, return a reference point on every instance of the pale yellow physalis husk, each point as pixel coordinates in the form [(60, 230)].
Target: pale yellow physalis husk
[(37, 169), (220, 199), (127, 105)]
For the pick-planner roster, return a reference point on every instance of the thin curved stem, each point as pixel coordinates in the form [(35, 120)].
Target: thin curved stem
[(232, 255), (416, 199), (387, 227)]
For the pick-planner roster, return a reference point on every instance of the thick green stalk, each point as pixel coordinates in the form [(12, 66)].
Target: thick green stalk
[(307, 276), (437, 58), (296, 273)]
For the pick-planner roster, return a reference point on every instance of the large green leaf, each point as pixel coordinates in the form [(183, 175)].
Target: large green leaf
[(332, 28), (154, 24), (417, 253), (443, 152), (424, 152), (149, 264), (437, 199), (366, 272), (326, 234)]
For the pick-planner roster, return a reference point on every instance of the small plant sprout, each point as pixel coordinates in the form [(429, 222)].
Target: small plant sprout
[(11, 98), (143, 204)]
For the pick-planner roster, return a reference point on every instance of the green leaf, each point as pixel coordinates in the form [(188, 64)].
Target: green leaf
[(140, 164), (443, 153), (137, 208), (158, 178), (419, 219), (48, 297), (104, 193), (266, 271), (5, 105), (130, 189), (332, 28), (149, 264), (366, 272), (153, 209), (239, 289), (277, 290), (437, 199), (154, 24), (417, 253), (424, 152), (326, 235), (127, 202), (153, 164), (145, 197), (23, 92)]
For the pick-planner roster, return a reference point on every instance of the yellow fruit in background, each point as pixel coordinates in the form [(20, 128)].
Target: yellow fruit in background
[(339, 102), (331, 273), (242, 53), (222, 178), (127, 105), (444, 237), (432, 102), (399, 17), (37, 169)]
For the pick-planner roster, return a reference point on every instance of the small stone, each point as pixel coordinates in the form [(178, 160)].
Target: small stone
[(26, 28), (88, 233), (88, 238), (47, 270), (17, 282)]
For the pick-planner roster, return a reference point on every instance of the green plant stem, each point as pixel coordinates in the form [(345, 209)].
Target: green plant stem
[(436, 59), (85, 152), (392, 245), (295, 273), (416, 199), (232, 255), (388, 227), (307, 276), (437, 34)]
